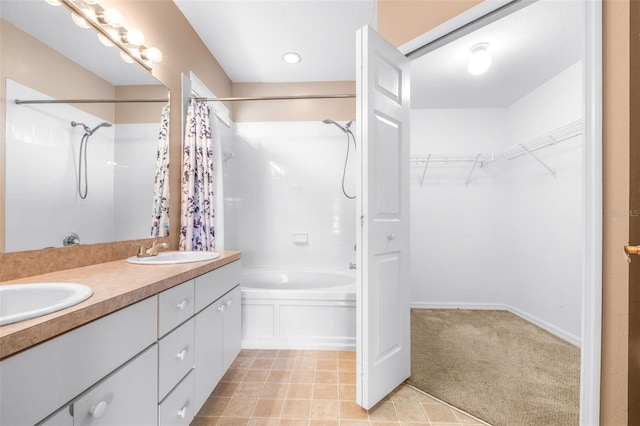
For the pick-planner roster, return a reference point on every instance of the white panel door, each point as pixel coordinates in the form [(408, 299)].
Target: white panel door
[(383, 340)]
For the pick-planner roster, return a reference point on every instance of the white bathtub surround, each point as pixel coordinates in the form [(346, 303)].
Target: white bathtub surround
[(510, 239), (287, 183), (298, 309)]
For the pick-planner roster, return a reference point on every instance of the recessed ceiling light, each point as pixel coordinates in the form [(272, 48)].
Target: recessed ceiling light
[(291, 57), (480, 59)]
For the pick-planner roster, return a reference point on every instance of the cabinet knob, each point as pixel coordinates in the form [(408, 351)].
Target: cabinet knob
[(221, 307), (183, 412), (182, 304), (228, 303), (98, 410), (182, 354)]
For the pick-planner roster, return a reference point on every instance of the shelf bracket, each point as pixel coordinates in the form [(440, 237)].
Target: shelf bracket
[(475, 163), (538, 160), (424, 171)]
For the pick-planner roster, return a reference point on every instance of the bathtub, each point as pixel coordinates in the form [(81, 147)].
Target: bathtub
[(298, 310)]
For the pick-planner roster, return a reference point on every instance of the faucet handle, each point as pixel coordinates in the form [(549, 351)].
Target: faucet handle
[(141, 249)]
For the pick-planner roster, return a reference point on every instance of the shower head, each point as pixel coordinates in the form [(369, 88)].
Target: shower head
[(344, 128), (103, 124), (87, 130)]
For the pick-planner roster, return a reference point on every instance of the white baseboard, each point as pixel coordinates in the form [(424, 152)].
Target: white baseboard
[(556, 331)]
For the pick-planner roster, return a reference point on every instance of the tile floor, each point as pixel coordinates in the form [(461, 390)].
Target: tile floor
[(276, 387)]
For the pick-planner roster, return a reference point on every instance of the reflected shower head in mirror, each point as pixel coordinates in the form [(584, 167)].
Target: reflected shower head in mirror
[(344, 128), (89, 131)]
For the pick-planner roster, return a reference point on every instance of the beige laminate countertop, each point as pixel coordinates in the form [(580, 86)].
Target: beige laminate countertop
[(115, 285)]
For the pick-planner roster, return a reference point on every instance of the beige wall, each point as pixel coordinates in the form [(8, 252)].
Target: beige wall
[(294, 110), (420, 16), (140, 112)]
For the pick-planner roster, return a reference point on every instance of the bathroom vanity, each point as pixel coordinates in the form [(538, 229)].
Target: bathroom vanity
[(153, 361)]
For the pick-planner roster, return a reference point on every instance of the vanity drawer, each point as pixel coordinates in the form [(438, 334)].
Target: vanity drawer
[(126, 397), (212, 285), (175, 306), (175, 357), (177, 407)]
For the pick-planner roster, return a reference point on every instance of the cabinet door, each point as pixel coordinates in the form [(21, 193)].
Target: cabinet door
[(61, 418), (208, 352), (127, 397), (231, 327)]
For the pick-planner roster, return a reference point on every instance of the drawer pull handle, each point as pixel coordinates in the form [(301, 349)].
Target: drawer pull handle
[(221, 307), (182, 354), (183, 304), (183, 412), (98, 410)]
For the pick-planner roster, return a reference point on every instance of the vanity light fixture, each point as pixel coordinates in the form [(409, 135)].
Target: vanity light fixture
[(111, 30), (291, 57), (480, 59)]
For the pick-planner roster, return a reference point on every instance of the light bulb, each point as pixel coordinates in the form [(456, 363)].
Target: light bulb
[(112, 17), (152, 53), (480, 59), (80, 21), (291, 57), (91, 1), (53, 2), (133, 36)]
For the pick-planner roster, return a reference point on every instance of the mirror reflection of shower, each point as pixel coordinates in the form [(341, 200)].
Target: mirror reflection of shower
[(346, 129), (82, 156)]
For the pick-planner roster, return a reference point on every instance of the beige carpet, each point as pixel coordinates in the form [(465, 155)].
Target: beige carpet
[(495, 366)]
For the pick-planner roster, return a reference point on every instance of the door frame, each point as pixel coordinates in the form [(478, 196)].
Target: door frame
[(592, 203)]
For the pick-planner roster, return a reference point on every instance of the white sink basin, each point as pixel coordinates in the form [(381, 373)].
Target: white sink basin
[(19, 302), (172, 257)]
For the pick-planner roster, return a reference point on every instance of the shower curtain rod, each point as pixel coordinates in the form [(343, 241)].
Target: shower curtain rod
[(86, 101), (239, 99)]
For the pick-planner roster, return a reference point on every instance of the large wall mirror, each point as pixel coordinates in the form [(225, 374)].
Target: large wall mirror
[(83, 168)]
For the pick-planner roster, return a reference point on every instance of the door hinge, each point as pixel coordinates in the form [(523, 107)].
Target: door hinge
[(362, 220)]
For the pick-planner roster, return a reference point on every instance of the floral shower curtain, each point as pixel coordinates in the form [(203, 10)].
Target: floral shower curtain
[(160, 215), (197, 211)]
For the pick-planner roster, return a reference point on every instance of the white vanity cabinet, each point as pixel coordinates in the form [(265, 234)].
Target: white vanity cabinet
[(152, 363), (217, 327)]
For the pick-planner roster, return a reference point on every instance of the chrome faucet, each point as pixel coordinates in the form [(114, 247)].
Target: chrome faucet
[(151, 251)]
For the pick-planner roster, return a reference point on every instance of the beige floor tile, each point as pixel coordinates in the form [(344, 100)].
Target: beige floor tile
[(279, 376), (267, 353), (262, 363), (346, 364), (234, 375), (283, 363), (261, 421), (354, 422), (321, 391), (326, 377), (204, 421), (466, 420), (240, 407), (248, 353), (300, 391), (346, 377), (214, 407), (296, 409), (347, 355), (302, 376), (324, 422), (349, 410), (287, 353), (233, 421), (259, 376), (404, 394), (305, 363), (325, 409), (225, 389), (268, 408), (242, 363), (410, 412), (381, 423), (326, 364), (274, 390), (293, 422), (383, 411), (347, 392), (437, 413), (249, 390), (327, 354)]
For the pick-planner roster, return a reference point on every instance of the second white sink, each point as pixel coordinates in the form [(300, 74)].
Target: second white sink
[(172, 257), (19, 302)]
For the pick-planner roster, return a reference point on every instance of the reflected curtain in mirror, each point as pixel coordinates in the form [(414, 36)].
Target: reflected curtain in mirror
[(197, 206), (160, 216)]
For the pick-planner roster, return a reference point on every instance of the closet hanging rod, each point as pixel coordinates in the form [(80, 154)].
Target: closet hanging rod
[(277, 98), (86, 101)]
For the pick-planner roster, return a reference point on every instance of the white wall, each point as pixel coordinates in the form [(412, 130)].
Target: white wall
[(42, 201), (288, 178), (134, 176), (511, 238)]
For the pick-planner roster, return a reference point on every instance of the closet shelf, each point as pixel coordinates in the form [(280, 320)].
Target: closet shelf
[(561, 134)]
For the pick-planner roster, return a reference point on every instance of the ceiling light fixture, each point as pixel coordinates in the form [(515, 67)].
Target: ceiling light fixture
[(480, 59), (291, 57), (109, 24)]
